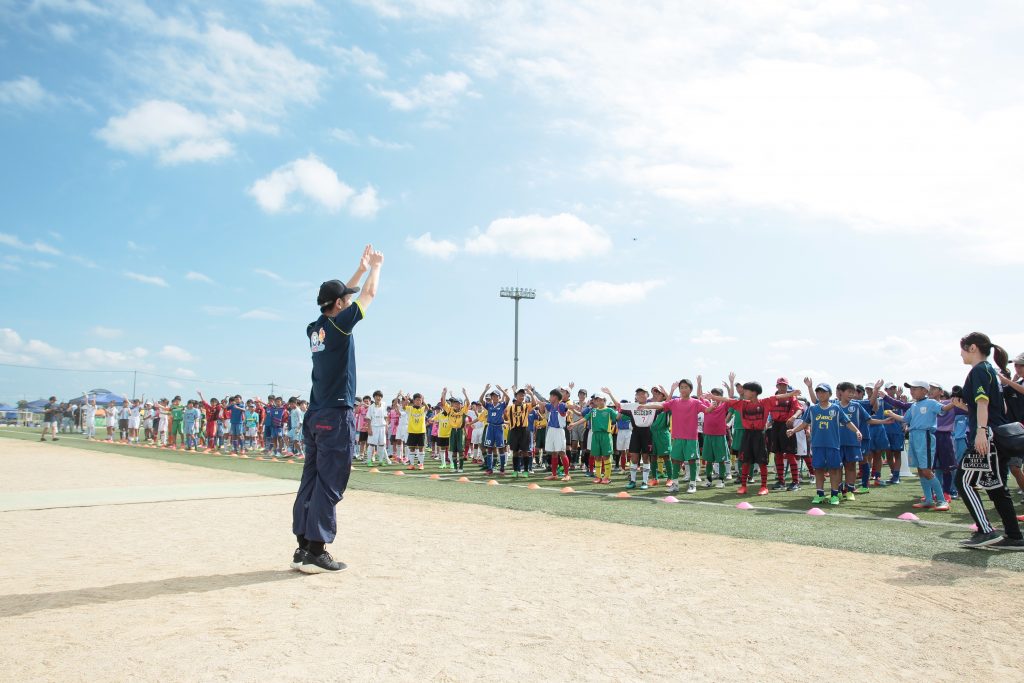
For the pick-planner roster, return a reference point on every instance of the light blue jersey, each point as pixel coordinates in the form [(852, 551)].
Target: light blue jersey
[(923, 415)]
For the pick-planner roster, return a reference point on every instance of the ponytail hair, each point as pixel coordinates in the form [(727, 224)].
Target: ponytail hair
[(986, 347)]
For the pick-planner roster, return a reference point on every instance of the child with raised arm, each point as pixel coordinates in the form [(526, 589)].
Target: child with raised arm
[(684, 411), (823, 420), (600, 419), (754, 414)]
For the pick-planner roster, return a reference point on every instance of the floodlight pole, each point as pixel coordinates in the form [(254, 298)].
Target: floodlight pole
[(516, 294)]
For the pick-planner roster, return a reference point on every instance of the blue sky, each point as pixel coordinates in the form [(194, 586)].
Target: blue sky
[(786, 188)]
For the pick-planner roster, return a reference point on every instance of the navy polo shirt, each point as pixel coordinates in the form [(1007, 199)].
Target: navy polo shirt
[(334, 358)]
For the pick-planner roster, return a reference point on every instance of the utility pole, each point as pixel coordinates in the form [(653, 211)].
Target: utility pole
[(516, 293), (272, 385), (134, 376)]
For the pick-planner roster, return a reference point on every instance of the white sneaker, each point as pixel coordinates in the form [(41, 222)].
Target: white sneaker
[(720, 484), (692, 488), (707, 483)]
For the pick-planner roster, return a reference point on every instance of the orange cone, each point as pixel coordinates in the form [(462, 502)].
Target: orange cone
[(435, 476), (399, 473), (491, 482), (568, 489), (533, 485), (622, 494), (463, 480), (374, 470)]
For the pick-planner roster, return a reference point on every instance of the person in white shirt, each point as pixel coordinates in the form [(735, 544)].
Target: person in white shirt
[(377, 438), (89, 417)]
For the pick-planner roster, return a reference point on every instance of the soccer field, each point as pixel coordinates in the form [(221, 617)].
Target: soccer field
[(143, 569)]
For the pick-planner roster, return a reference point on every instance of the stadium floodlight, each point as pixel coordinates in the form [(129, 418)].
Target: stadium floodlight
[(516, 294)]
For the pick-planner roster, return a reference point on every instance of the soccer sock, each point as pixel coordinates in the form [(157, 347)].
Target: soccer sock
[(947, 482), (764, 476), (565, 463), (488, 461), (590, 462), (834, 492), (708, 470), (744, 474), (810, 467), (693, 471), (794, 467), (303, 543), (632, 472), (865, 474), (937, 488), (646, 472), (722, 469), (517, 462), (316, 548), (780, 466), (926, 487)]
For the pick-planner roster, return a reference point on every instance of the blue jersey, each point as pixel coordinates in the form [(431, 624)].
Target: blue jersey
[(825, 425), (237, 414), (556, 414), (191, 416), (856, 414), (496, 413), (960, 427), (923, 415)]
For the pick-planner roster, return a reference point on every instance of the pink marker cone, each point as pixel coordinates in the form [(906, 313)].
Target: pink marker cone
[(816, 512), (909, 517), (669, 499), (744, 506)]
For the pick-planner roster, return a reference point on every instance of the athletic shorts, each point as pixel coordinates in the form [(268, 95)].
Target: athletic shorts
[(684, 450), (826, 458), (601, 444), (851, 454), (415, 440), (754, 451), (275, 432), (737, 441), (519, 439), (176, 427), (945, 457), (442, 441), (554, 440), (879, 439), (378, 438), (577, 433), (715, 448), (237, 430), (641, 441), (250, 432), (478, 435), (541, 437), (494, 437), (133, 423), (778, 442), (921, 449), (590, 440), (402, 434), (363, 436), (622, 439), (662, 441), (959, 448), (896, 440), (123, 424), (457, 440)]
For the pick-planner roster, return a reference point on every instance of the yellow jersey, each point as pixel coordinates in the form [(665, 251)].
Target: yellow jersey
[(456, 418), (417, 419)]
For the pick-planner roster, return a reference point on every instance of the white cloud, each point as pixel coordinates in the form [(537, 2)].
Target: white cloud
[(24, 92), (198, 277), (802, 343), (317, 182), (81, 260), (106, 332), (42, 265), (174, 384), (437, 93), (62, 33), (840, 113), (397, 9), (268, 274), (600, 293), (14, 349), (713, 336), (425, 244), (563, 237), (175, 353), (184, 372), (10, 240), (366, 63), (350, 137), (259, 314), (147, 279), (173, 132), (345, 135)]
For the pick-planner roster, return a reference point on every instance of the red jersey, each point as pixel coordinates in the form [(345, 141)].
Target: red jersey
[(781, 409), (753, 413), (213, 413)]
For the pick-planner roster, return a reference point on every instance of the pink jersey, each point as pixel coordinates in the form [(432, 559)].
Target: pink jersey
[(684, 416), (714, 420), (393, 421), (361, 425)]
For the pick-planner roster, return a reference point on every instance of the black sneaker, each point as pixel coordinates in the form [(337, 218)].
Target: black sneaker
[(779, 486), (298, 558), (793, 487), (321, 564), (1006, 543), (981, 540)]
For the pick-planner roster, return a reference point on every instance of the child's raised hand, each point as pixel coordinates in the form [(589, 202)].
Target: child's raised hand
[(732, 378)]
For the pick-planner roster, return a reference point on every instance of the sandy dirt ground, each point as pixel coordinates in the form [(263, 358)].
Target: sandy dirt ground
[(201, 590)]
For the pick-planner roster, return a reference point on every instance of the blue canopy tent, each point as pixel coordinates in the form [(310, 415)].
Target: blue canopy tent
[(103, 397), (36, 406), (6, 409)]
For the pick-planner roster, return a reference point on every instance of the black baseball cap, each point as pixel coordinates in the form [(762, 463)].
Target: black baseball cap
[(333, 289)]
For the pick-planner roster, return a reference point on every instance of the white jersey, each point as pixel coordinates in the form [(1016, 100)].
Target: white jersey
[(642, 417), (89, 412), (403, 420), (700, 423), (112, 413), (378, 417)]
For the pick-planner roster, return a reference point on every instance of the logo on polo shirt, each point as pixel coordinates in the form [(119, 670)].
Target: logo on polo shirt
[(316, 341)]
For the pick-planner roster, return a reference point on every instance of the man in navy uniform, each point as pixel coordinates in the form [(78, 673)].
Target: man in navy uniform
[(329, 425)]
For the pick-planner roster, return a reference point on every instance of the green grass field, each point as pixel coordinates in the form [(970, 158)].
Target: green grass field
[(867, 525)]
